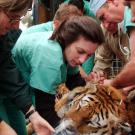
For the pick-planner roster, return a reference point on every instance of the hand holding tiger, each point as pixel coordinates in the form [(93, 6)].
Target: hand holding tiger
[(40, 126), (98, 77)]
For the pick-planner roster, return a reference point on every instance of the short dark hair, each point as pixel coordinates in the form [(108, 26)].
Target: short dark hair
[(78, 3), (71, 29)]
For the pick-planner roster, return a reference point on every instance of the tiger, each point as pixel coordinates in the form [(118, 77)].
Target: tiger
[(91, 110)]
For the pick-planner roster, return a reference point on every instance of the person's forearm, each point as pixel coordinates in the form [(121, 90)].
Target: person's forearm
[(23, 102), (21, 96), (103, 59), (126, 77), (5, 129)]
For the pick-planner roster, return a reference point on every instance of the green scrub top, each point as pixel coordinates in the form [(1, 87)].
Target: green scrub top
[(72, 70), (87, 10), (48, 26), (127, 19), (88, 64), (41, 61)]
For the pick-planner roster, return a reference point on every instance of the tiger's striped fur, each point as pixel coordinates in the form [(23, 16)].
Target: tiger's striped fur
[(93, 109)]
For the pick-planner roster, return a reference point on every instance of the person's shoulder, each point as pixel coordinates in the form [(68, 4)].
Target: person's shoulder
[(37, 35), (41, 39), (39, 28), (33, 40)]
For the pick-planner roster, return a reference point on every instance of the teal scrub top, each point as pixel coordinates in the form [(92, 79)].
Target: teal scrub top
[(72, 70), (87, 10), (48, 26), (127, 19), (87, 66), (41, 61)]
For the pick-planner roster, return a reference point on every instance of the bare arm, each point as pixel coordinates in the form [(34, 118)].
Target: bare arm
[(103, 58), (5, 129)]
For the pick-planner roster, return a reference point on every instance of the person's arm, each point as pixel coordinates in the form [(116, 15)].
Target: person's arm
[(23, 100), (127, 75), (5, 129), (12, 83), (16, 88), (40, 125), (19, 93), (103, 63), (103, 58)]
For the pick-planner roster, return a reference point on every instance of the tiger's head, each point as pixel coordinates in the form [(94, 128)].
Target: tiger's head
[(92, 108)]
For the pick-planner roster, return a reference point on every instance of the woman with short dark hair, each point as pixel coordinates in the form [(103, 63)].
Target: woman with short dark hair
[(43, 57)]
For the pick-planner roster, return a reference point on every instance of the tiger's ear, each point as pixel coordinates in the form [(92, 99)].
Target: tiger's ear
[(62, 89)]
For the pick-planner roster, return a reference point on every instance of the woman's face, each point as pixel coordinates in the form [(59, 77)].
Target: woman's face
[(78, 52)]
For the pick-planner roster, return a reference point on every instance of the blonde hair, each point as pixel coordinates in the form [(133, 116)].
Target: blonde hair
[(65, 11), (15, 5)]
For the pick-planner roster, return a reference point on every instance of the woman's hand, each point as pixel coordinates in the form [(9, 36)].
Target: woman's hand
[(40, 125)]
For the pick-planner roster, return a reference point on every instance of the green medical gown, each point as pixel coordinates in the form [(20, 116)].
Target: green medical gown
[(41, 61)]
